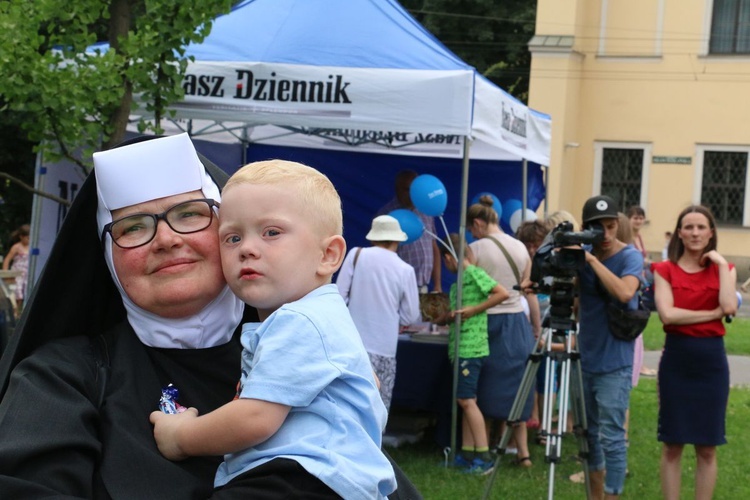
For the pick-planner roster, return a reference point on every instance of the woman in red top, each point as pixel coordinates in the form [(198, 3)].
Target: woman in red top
[(694, 290)]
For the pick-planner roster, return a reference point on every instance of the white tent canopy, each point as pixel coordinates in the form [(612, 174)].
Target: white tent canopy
[(317, 66)]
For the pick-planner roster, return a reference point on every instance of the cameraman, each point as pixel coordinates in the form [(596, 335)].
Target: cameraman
[(611, 273)]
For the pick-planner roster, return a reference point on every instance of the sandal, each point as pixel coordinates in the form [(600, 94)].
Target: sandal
[(541, 439), (524, 462)]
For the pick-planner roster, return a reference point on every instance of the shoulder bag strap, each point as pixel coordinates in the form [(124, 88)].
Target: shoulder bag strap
[(510, 259), (356, 256), (607, 297), (354, 266)]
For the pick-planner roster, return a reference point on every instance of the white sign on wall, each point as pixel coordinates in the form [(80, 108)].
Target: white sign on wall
[(62, 179)]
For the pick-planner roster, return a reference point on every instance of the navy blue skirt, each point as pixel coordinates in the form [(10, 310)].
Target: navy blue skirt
[(693, 391), (511, 342)]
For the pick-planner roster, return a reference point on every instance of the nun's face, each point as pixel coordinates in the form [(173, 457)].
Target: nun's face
[(174, 275)]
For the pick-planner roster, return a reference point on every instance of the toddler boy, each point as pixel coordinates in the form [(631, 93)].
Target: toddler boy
[(308, 417)]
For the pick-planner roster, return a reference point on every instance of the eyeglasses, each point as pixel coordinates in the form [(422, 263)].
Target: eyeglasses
[(184, 218)]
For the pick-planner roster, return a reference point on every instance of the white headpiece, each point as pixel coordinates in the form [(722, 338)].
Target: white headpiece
[(146, 171)]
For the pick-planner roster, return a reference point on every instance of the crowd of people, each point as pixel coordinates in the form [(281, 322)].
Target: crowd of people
[(617, 269), (280, 381)]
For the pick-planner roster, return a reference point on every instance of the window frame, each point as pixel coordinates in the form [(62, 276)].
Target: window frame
[(700, 151), (600, 146), (709, 24)]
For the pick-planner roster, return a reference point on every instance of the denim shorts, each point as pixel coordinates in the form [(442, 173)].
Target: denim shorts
[(468, 377)]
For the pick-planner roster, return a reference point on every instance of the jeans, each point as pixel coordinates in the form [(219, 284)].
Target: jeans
[(607, 397)]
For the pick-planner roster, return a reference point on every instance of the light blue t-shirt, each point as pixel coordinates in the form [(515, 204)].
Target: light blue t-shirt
[(308, 355), (600, 351)]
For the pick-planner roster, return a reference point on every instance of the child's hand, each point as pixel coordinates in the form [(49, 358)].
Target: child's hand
[(166, 429), (541, 340), (466, 312)]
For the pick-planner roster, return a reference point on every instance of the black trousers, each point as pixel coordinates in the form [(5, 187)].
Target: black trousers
[(276, 479), (284, 478)]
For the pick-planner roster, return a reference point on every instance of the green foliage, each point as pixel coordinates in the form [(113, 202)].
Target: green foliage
[(492, 36), (17, 160), (422, 462), (74, 99)]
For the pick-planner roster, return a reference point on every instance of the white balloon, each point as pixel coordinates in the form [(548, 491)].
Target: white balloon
[(515, 219)]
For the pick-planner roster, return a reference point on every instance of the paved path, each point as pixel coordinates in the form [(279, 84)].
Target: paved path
[(739, 367)]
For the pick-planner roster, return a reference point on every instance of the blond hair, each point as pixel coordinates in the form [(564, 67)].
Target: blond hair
[(556, 218), (624, 232), (313, 188), (482, 210)]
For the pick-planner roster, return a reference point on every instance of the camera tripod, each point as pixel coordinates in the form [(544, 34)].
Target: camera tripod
[(570, 398)]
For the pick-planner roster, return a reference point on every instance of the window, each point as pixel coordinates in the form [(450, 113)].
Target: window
[(621, 171), (730, 27), (724, 183)]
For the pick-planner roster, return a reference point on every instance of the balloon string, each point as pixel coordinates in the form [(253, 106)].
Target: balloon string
[(450, 248), (450, 241)]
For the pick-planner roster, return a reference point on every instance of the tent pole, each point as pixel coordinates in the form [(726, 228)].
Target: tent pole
[(546, 193), (525, 184), (36, 221), (459, 281), (245, 143)]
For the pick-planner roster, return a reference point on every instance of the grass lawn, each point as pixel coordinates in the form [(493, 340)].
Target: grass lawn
[(422, 461), (736, 341)]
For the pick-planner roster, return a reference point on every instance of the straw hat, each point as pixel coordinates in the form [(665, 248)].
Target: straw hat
[(386, 228)]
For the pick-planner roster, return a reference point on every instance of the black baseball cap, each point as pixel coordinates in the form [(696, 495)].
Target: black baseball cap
[(599, 207)]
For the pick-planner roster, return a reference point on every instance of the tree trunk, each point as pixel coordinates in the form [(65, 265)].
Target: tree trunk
[(120, 14)]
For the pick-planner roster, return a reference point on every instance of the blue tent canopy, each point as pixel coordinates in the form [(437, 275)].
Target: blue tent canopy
[(356, 34)]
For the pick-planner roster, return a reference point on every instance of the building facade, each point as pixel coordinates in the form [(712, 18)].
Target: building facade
[(650, 103)]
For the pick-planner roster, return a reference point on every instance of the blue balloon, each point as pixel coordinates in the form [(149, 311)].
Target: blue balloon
[(495, 202), (509, 208), (428, 195), (410, 224)]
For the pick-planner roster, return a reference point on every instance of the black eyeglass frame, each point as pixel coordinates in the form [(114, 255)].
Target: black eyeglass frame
[(157, 217)]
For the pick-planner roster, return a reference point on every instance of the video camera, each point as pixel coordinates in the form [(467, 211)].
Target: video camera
[(555, 266), (554, 260)]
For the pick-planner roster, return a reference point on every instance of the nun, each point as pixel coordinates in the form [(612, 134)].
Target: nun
[(131, 305)]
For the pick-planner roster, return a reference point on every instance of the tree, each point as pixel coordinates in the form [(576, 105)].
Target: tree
[(16, 161), (75, 101), (490, 35)]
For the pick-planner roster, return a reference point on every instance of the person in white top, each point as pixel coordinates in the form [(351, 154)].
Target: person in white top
[(381, 292)]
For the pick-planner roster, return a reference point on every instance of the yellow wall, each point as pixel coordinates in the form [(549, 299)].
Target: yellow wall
[(641, 78)]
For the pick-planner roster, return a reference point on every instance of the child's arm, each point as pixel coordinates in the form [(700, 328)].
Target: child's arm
[(237, 425), (535, 314), (557, 346), (497, 295), (9, 258)]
